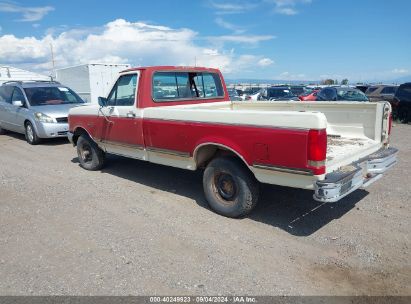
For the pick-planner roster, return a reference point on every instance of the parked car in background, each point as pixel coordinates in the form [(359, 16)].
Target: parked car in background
[(278, 93), (38, 109), (402, 103), (310, 96), (381, 92), (298, 90), (341, 94), (249, 92), (234, 95)]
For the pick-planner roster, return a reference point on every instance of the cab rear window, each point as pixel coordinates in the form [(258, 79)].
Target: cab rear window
[(174, 86)]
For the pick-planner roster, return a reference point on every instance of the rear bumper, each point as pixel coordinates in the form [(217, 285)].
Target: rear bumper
[(361, 173)]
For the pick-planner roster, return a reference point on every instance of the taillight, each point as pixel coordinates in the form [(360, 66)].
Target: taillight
[(389, 124), (317, 150), (248, 98)]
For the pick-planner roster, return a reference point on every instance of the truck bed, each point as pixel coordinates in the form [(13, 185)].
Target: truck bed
[(344, 150), (354, 128)]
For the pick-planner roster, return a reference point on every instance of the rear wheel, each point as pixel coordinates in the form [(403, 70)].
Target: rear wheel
[(90, 156), (31, 135), (231, 190)]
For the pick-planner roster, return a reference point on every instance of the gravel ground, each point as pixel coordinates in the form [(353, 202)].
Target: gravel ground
[(144, 229)]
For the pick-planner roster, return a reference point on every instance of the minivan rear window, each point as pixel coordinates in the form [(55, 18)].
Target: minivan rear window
[(172, 86)]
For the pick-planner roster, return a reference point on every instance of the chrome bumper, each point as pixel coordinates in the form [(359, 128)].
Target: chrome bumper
[(70, 138), (361, 173)]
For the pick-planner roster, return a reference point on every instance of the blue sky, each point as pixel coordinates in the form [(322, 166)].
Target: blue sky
[(262, 39)]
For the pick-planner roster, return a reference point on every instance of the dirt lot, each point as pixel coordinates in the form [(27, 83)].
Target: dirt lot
[(138, 228)]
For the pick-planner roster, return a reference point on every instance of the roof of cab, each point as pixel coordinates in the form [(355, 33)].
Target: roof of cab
[(171, 68)]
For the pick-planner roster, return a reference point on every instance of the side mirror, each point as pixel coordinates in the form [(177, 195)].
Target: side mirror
[(102, 101), (17, 103)]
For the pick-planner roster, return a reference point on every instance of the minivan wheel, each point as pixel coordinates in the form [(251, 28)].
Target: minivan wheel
[(230, 189), (30, 133), (90, 156)]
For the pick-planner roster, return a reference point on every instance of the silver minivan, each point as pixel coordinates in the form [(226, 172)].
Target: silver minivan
[(38, 109)]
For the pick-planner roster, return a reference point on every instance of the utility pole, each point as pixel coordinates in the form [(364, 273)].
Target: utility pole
[(52, 61)]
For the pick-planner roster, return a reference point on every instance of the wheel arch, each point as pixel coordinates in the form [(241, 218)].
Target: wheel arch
[(206, 151), (78, 131)]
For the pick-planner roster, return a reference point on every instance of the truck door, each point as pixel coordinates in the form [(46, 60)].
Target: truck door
[(122, 131)]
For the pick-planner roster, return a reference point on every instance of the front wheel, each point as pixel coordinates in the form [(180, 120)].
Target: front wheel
[(31, 135), (231, 190), (90, 156)]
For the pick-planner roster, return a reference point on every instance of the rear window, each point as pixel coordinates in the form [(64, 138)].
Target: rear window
[(41, 96), (370, 90), (172, 86), (351, 95)]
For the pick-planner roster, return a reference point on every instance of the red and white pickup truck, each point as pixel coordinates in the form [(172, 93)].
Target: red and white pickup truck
[(182, 117)]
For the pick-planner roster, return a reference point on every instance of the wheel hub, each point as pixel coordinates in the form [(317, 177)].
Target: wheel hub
[(226, 186)]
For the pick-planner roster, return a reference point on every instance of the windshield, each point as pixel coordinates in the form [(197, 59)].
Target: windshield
[(42, 96), (278, 93), (351, 95)]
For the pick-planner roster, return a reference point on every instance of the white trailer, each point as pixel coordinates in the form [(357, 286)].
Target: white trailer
[(9, 73), (92, 80)]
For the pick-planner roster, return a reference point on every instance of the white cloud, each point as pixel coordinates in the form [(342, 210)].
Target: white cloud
[(233, 7), (286, 11), (287, 7), (121, 41), (265, 62), (247, 39), (29, 14), (400, 71), (229, 26)]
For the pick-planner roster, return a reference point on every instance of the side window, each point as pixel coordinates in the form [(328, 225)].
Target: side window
[(388, 90), (17, 95), (170, 86), (212, 85), (165, 85), (124, 91), (404, 93), (5, 93)]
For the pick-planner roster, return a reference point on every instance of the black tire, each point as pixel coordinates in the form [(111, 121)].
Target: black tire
[(30, 134), (90, 156), (2, 131), (230, 188)]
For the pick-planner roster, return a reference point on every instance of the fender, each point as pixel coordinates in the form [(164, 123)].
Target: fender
[(222, 143)]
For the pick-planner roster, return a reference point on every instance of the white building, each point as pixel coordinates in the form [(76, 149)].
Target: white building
[(92, 80), (8, 73)]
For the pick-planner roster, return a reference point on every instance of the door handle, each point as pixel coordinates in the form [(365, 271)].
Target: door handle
[(131, 115)]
